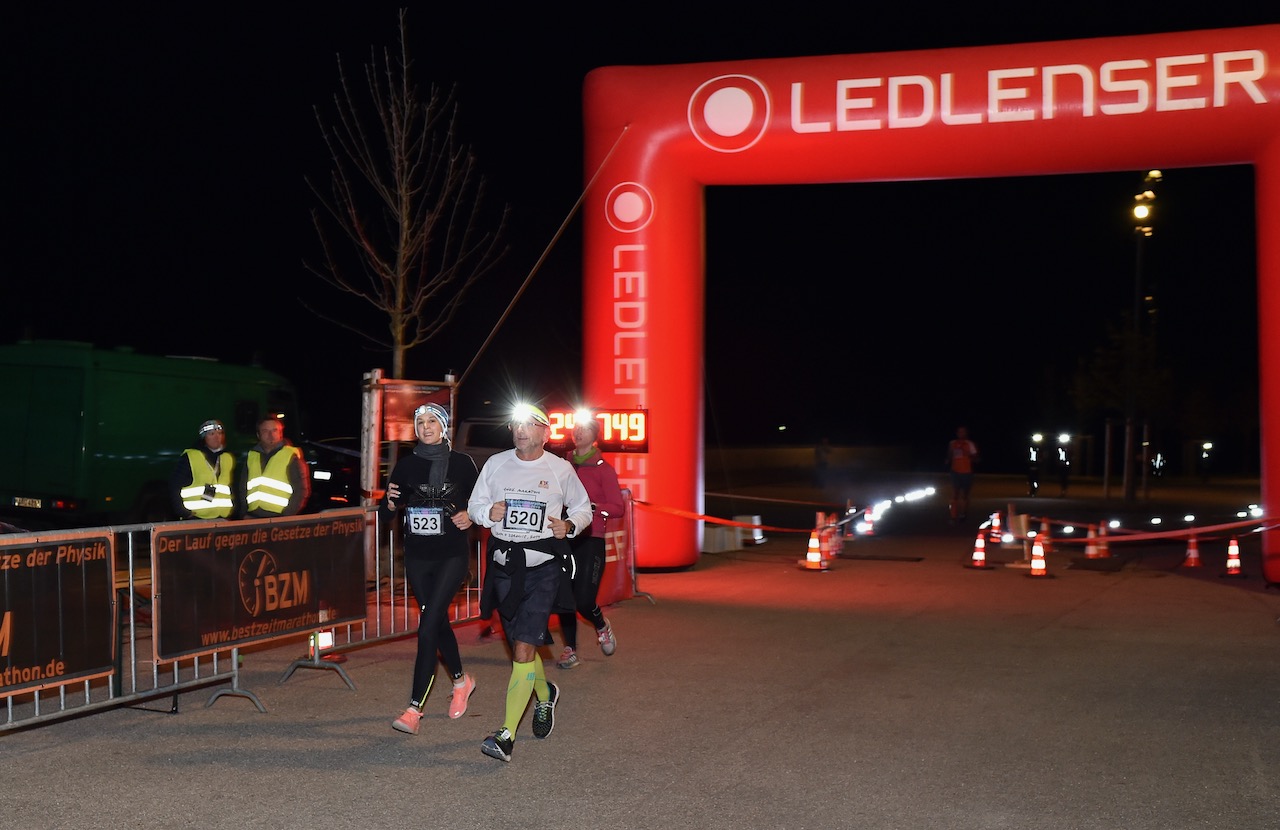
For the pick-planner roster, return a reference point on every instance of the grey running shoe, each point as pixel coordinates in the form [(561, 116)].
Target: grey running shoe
[(544, 712), (608, 643), (499, 745), (568, 659)]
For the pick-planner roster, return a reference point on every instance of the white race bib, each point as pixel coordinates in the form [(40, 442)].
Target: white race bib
[(425, 521), (525, 518)]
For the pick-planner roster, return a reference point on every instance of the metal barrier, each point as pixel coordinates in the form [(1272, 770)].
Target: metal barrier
[(126, 669), (131, 675)]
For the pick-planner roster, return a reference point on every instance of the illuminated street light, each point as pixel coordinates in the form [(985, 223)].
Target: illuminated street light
[(1143, 214), (1033, 463)]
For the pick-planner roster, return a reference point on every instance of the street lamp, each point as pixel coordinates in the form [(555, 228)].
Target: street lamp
[(1033, 463), (1143, 227)]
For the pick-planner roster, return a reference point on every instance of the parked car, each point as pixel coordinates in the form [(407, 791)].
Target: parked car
[(481, 438), (335, 473)]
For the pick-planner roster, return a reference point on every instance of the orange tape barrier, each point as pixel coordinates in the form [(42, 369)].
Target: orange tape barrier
[(673, 511), (1123, 535)]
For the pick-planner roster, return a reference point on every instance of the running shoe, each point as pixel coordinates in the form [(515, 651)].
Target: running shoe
[(608, 643), (544, 712), (458, 704), (408, 722), (499, 745), (568, 659)]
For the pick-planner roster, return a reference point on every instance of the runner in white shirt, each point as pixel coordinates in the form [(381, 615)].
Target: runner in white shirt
[(531, 501)]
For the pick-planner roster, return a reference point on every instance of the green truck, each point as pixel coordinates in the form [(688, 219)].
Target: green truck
[(90, 434)]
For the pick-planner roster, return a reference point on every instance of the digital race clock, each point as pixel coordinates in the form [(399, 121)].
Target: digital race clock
[(621, 430)]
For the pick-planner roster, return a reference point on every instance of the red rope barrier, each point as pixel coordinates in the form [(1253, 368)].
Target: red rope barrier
[(1123, 535), (714, 520)]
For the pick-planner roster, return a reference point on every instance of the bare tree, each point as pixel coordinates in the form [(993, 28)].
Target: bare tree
[(402, 224)]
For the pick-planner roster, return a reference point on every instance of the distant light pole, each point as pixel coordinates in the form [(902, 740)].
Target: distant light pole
[(1143, 214)]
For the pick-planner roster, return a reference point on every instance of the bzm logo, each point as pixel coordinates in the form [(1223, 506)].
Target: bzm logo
[(730, 113), (264, 587)]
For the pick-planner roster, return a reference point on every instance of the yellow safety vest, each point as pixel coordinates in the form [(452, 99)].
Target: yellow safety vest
[(269, 489), (203, 474)]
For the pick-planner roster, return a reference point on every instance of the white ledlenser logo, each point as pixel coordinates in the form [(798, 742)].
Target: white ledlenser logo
[(730, 113), (628, 207)]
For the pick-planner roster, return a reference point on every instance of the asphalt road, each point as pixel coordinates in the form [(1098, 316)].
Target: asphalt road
[(898, 690)]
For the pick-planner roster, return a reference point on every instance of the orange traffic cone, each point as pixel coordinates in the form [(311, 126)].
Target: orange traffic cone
[(994, 535), (868, 522), (1038, 568), (1045, 537), (1091, 543), (814, 560), (1233, 559), (979, 560), (1193, 554), (1104, 549)]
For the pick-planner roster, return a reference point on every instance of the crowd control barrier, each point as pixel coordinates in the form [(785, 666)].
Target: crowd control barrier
[(98, 618)]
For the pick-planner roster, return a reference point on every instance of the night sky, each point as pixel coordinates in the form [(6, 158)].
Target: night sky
[(154, 186)]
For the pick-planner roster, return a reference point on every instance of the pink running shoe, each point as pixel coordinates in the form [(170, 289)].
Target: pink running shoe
[(568, 659), (458, 705), (608, 643), (408, 722)]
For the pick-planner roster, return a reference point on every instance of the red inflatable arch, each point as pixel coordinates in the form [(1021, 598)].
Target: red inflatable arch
[(658, 135)]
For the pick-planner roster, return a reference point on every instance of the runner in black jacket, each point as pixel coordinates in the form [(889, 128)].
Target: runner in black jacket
[(431, 487)]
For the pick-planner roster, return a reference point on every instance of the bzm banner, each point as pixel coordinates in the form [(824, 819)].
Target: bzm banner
[(55, 612), (225, 584)]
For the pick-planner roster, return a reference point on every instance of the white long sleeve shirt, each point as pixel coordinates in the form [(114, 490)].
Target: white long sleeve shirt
[(534, 492)]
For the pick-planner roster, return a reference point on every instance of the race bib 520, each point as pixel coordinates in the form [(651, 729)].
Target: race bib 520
[(525, 515)]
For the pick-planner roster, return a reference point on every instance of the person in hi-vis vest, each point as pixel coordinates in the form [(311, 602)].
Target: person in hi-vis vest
[(201, 485), (275, 480)]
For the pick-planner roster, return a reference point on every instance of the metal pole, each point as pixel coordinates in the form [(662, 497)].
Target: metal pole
[(1131, 364), (1106, 460), (1146, 459)]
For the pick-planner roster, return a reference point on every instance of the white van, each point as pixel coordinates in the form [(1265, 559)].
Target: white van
[(482, 437)]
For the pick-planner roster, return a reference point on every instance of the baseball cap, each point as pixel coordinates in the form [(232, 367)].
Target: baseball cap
[(210, 426), (526, 412)]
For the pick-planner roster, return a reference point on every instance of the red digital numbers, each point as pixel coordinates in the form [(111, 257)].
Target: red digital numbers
[(621, 430)]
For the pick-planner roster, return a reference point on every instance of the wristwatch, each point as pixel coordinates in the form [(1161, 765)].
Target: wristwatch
[(570, 528)]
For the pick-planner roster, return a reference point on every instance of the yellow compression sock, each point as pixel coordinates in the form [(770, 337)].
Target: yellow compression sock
[(540, 687), (518, 691)]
